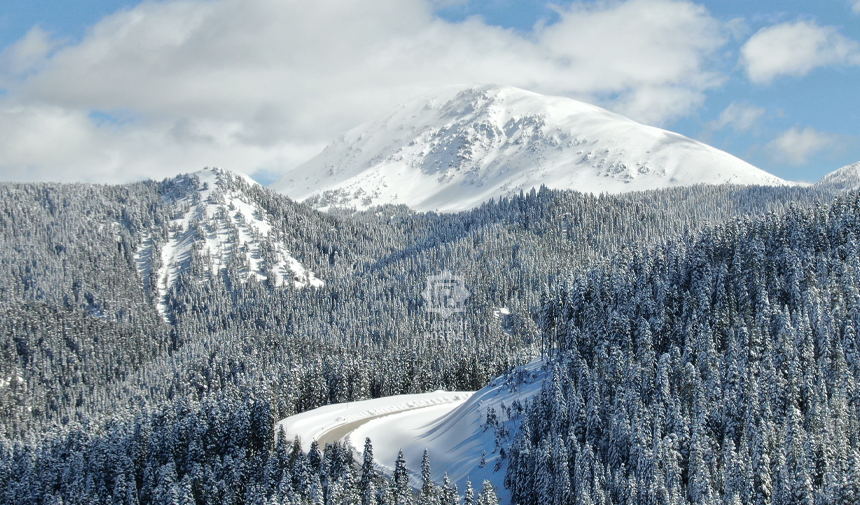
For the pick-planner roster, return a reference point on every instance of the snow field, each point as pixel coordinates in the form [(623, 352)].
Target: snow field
[(451, 426)]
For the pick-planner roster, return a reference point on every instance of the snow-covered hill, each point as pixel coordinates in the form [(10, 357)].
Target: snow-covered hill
[(457, 147), (215, 218), (453, 426), (844, 179)]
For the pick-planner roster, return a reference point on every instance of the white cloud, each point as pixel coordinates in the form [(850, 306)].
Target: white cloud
[(28, 54), (264, 84), (49, 143), (856, 7), (741, 117), (797, 146), (651, 52), (795, 49)]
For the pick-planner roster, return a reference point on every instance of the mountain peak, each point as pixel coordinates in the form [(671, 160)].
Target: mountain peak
[(458, 146), (219, 175), (846, 178)]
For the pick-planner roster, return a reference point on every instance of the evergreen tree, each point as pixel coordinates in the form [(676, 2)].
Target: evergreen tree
[(428, 489), (469, 494), (487, 496), (366, 485), (449, 494), (400, 489)]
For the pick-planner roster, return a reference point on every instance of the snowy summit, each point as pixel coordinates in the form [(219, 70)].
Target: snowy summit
[(457, 147), (844, 179)]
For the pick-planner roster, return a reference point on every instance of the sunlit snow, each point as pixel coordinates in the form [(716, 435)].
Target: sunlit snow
[(457, 147), (450, 425)]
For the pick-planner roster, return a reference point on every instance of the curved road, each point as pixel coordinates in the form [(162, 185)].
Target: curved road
[(340, 432)]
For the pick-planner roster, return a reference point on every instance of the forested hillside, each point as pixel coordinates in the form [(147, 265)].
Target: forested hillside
[(95, 376), (722, 368)]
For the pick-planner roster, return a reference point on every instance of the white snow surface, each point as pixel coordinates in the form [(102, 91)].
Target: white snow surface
[(215, 218), (846, 178), (311, 425), (454, 148), (449, 425)]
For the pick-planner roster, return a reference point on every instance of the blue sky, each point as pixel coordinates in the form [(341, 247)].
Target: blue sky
[(113, 90)]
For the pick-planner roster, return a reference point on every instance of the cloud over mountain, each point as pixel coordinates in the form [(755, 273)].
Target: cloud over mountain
[(262, 85)]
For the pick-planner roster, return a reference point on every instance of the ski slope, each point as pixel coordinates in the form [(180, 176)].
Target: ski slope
[(454, 148), (450, 425)]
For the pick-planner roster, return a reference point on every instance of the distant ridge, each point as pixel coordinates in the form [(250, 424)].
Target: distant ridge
[(846, 178)]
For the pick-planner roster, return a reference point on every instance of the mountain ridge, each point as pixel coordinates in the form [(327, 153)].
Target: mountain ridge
[(455, 148), (846, 178)]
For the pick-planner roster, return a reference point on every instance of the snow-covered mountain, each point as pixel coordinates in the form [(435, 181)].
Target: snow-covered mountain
[(457, 147), (844, 179), (214, 217)]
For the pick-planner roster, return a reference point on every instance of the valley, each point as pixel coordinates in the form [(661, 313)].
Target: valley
[(672, 336)]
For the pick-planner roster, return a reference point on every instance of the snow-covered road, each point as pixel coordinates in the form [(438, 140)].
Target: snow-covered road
[(335, 422), (343, 431), (450, 425)]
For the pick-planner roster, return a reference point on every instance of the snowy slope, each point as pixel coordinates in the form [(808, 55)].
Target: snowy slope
[(213, 217), (315, 424), (459, 146), (845, 179), (451, 426)]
